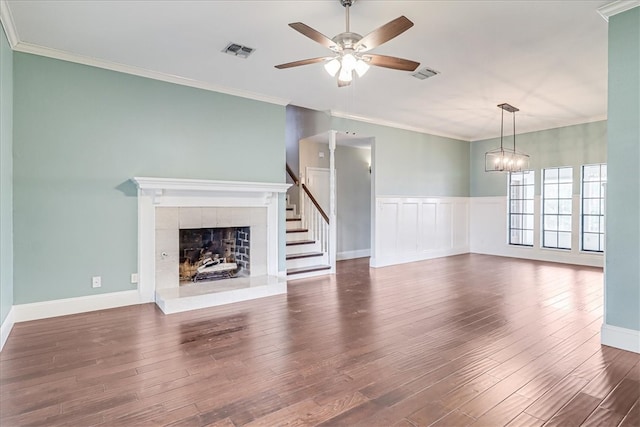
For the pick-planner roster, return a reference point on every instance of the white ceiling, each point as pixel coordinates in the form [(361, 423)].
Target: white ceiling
[(548, 58)]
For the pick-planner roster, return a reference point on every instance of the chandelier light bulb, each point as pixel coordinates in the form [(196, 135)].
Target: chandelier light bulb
[(332, 67)]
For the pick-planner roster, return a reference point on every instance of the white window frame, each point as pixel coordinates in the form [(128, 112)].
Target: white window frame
[(551, 192), (601, 229), (524, 212)]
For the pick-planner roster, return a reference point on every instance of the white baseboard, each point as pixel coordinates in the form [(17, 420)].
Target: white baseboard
[(415, 256), (361, 253), (63, 307), (622, 338), (5, 330)]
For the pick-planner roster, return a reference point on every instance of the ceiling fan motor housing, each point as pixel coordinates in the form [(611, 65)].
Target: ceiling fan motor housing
[(347, 40)]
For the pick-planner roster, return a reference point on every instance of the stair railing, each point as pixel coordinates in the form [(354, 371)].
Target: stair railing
[(313, 216)]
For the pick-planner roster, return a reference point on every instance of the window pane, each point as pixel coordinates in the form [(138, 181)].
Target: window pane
[(591, 207), (591, 172), (528, 177), (550, 191), (565, 175), (516, 193), (564, 223), (550, 175), (551, 206), (564, 240), (529, 192), (529, 206), (551, 222), (591, 242), (516, 221), (591, 224), (591, 189), (564, 207), (550, 239), (603, 173), (528, 222), (516, 206), (565, 191), (602, 242), (515, 237), (528, 238)]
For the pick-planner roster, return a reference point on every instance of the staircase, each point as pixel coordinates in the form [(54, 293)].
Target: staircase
[(305, 255)]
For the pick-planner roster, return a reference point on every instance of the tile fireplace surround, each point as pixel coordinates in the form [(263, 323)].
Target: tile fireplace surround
[(165, 205)]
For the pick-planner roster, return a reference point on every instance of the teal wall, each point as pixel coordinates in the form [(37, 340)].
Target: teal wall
[(622, 271), (81, 133), (566, 146), (408, 163), (6, 176)]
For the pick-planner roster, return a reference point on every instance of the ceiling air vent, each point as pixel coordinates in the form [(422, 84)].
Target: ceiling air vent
[(425, 73), (236, 49)]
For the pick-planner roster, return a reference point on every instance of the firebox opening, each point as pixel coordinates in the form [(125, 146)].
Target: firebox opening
[(208, 254)]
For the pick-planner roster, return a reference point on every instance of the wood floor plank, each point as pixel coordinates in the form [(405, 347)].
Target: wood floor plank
[(443, 342), (633, 416), (575, 412), (602, 417)]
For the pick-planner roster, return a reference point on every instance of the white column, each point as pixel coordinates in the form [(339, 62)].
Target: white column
[(333, 228)]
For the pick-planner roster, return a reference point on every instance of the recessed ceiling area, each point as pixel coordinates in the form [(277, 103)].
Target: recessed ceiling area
[(548, 58)]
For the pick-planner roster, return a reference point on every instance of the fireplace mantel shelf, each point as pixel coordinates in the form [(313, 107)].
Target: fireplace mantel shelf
[(204, 185)]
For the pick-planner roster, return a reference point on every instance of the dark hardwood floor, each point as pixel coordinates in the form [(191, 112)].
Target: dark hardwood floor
[(465, 340)]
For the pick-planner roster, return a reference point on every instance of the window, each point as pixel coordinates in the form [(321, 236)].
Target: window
[(557, 192), (521, 189), (593, 176)]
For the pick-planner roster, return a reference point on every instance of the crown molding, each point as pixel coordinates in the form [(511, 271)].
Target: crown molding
[(142, 72), (616, 7), (6, 18), (388, 123)]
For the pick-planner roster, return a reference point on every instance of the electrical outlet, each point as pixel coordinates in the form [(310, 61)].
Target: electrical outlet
[(96, 281), (134, 277)]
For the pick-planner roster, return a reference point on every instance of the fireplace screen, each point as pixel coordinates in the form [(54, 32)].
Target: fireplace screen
[(208, 254)]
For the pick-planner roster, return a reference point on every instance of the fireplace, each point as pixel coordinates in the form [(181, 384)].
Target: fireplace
[(245, 264), (215, 253)]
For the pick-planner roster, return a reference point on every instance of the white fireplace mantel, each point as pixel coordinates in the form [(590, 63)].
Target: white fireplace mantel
[(158, 187), (169, 192)]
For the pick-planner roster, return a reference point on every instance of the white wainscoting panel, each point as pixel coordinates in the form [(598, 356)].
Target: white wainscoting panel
[(489, 234), (416, 228)]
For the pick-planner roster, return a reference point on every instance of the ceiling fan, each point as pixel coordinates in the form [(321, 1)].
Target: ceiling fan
[(350, 49)]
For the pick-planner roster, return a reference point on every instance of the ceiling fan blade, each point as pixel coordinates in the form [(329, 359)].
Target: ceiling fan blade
[(301, 62), (314, 35), (391, 62), (383, 34)]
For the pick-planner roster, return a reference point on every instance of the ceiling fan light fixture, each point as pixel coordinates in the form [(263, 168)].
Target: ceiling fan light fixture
[(361, 67), (345, 75), (349, 62), (332, 67)]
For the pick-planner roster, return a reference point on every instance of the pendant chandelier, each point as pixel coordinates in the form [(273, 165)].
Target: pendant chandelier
[(506, 159)]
